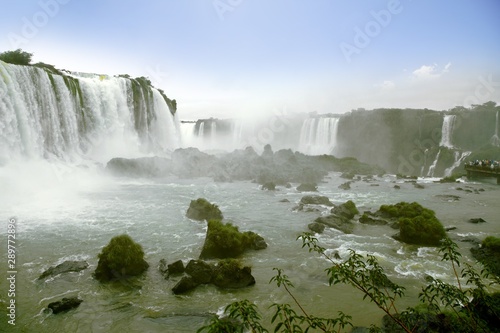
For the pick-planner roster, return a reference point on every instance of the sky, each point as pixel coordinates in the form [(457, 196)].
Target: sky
[(236, 58)]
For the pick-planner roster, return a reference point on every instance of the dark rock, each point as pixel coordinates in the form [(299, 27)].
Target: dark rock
[(307, 187), (200, 209), (459, 189), (347, 175), (345, 186), (140, 167), (448, 197), (288, 185), (121, 259), (176, 267), (450, 229), (372, 220), (476, 220), (187, 283), (374, 184), (200, 271), (397, 187), (419, 186), (337, 222), (270, 186), (316, 227), (316, 200), (347, 210), (65, 304), (229, 274), (65, 267), (284, 200)]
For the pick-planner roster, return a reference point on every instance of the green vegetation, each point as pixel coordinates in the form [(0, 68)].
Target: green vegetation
[(120, 259), (200, 209), (492, 243), (226, 241), (417, 225), (464, 306), (17, 57)]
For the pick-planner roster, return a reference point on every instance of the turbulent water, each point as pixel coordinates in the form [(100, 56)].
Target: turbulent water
[(82, 209)]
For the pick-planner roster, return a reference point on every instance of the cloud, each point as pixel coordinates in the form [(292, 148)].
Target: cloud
[(386, 85), (426, 72)]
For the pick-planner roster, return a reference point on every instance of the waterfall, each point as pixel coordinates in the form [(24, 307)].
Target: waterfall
[(447, 131), (51, 115), (213, 133), (495, 140), (432, 168), (318, 136), (459, 158)]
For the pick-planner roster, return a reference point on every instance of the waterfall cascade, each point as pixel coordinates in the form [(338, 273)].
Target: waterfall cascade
[(459, 158), (318, 136), (432, 168), (495, 140), (447, 131), (53, 115)]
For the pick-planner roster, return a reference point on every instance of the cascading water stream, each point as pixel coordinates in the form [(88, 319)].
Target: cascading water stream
[(447, 131), (459, 158), (495, 140), (318, 136), (432, 168), (70, 116)]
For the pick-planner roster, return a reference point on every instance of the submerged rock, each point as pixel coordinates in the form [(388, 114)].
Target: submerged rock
[(476, 220), (336, 222), (307, 187), (315, 200), (174, 268), (316, 227), (200, 271), (372, 220), (65, 267), (65, 304), (270, 186)]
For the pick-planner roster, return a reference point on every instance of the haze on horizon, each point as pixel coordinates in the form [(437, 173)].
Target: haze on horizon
[(234, 58)]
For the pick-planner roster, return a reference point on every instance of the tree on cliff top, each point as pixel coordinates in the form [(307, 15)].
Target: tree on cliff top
[(16, 57)]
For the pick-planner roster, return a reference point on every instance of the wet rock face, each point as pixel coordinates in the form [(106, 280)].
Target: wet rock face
[(65, 267), (65, 304), (316, 200), (307, 187), (200, 209)]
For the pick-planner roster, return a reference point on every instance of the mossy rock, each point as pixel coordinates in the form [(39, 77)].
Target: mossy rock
[(122, 258), (226, 241), (316, 200), (347, 210), (307, 187), (200, 209), (417, 225), (229, 273)]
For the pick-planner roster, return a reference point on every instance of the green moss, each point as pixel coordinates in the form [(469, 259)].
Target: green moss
[(352, 207), (121, 258), (226, 241), (417, 225)]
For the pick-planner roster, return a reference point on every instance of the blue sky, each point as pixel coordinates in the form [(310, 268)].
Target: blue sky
[(227, 58)]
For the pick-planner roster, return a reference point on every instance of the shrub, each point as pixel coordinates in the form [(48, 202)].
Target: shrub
[(121, 258), (492, 243), (17, 57)]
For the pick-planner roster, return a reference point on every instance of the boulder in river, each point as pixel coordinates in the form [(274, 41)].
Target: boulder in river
[(64, 304), (200, 209), (65, 267)]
